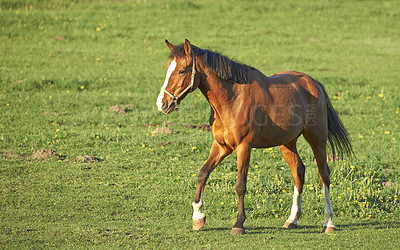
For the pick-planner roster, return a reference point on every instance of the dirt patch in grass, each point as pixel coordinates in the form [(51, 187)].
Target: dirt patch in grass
[(162, 130), (88, 159), (388, 184), (43, 154), (50, 113), (8, 154), (59, 37), (162, 144), (204, 127), (11, 155), (122, 109), (166, 126)]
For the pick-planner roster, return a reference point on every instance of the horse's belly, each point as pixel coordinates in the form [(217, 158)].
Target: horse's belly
[(275, 137), (277, 131)]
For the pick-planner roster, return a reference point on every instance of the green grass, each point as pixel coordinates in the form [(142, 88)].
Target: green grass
[(65, 63)]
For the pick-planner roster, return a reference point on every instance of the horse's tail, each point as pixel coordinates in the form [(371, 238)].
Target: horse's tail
[(338, 136)]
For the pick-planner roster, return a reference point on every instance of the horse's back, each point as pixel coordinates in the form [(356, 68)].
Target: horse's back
[(296, 81)]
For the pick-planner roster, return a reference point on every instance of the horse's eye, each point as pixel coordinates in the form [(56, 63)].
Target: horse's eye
[(181, 72)]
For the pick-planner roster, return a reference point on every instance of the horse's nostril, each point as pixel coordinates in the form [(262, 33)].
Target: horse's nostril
[(164, 105)]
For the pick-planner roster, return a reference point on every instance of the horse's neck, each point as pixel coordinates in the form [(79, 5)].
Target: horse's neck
[(217, 92)]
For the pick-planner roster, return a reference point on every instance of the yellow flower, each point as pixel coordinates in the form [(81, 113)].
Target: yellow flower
[(98, 29)]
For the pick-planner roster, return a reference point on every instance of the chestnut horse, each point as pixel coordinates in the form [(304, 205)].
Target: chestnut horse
[(250, 110)]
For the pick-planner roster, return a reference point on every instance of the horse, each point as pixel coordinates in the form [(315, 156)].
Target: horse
[(250, 110)]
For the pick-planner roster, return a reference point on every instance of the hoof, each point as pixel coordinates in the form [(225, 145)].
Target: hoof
[(237, 231), (198, 224), (289, 225), (328, 230)]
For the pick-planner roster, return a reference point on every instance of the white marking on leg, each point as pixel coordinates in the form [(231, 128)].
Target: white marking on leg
[(295, 213), (197, 213), (171, 69), (328, 208)]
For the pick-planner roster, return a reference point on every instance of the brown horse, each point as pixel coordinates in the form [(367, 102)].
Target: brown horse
[(250, 110)]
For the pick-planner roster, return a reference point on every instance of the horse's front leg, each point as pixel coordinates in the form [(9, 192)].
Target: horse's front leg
[(243, 159), (217, 154)]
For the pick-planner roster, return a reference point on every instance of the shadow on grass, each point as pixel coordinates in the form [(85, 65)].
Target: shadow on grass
[(249, 230), (369, 224), (215, 229), (351, 226), (313, 229)]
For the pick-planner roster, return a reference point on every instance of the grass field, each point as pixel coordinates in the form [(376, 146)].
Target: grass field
[(76, 174)]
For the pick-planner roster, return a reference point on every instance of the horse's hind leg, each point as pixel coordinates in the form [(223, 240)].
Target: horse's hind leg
[(289, 153), (318, 145)]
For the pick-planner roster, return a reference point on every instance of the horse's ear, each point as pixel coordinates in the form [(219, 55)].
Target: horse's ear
[(170, 45), (188, 47)]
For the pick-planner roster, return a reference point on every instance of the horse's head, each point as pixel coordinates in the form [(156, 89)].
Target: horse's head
[(180, 78)]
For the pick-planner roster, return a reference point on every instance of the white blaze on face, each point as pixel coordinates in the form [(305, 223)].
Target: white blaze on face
[(171, 69)]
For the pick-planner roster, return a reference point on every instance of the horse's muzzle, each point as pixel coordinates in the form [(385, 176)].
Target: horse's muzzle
[(168, 107)]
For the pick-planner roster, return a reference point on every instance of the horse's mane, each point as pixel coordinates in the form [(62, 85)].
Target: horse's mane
[(222, 66)]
